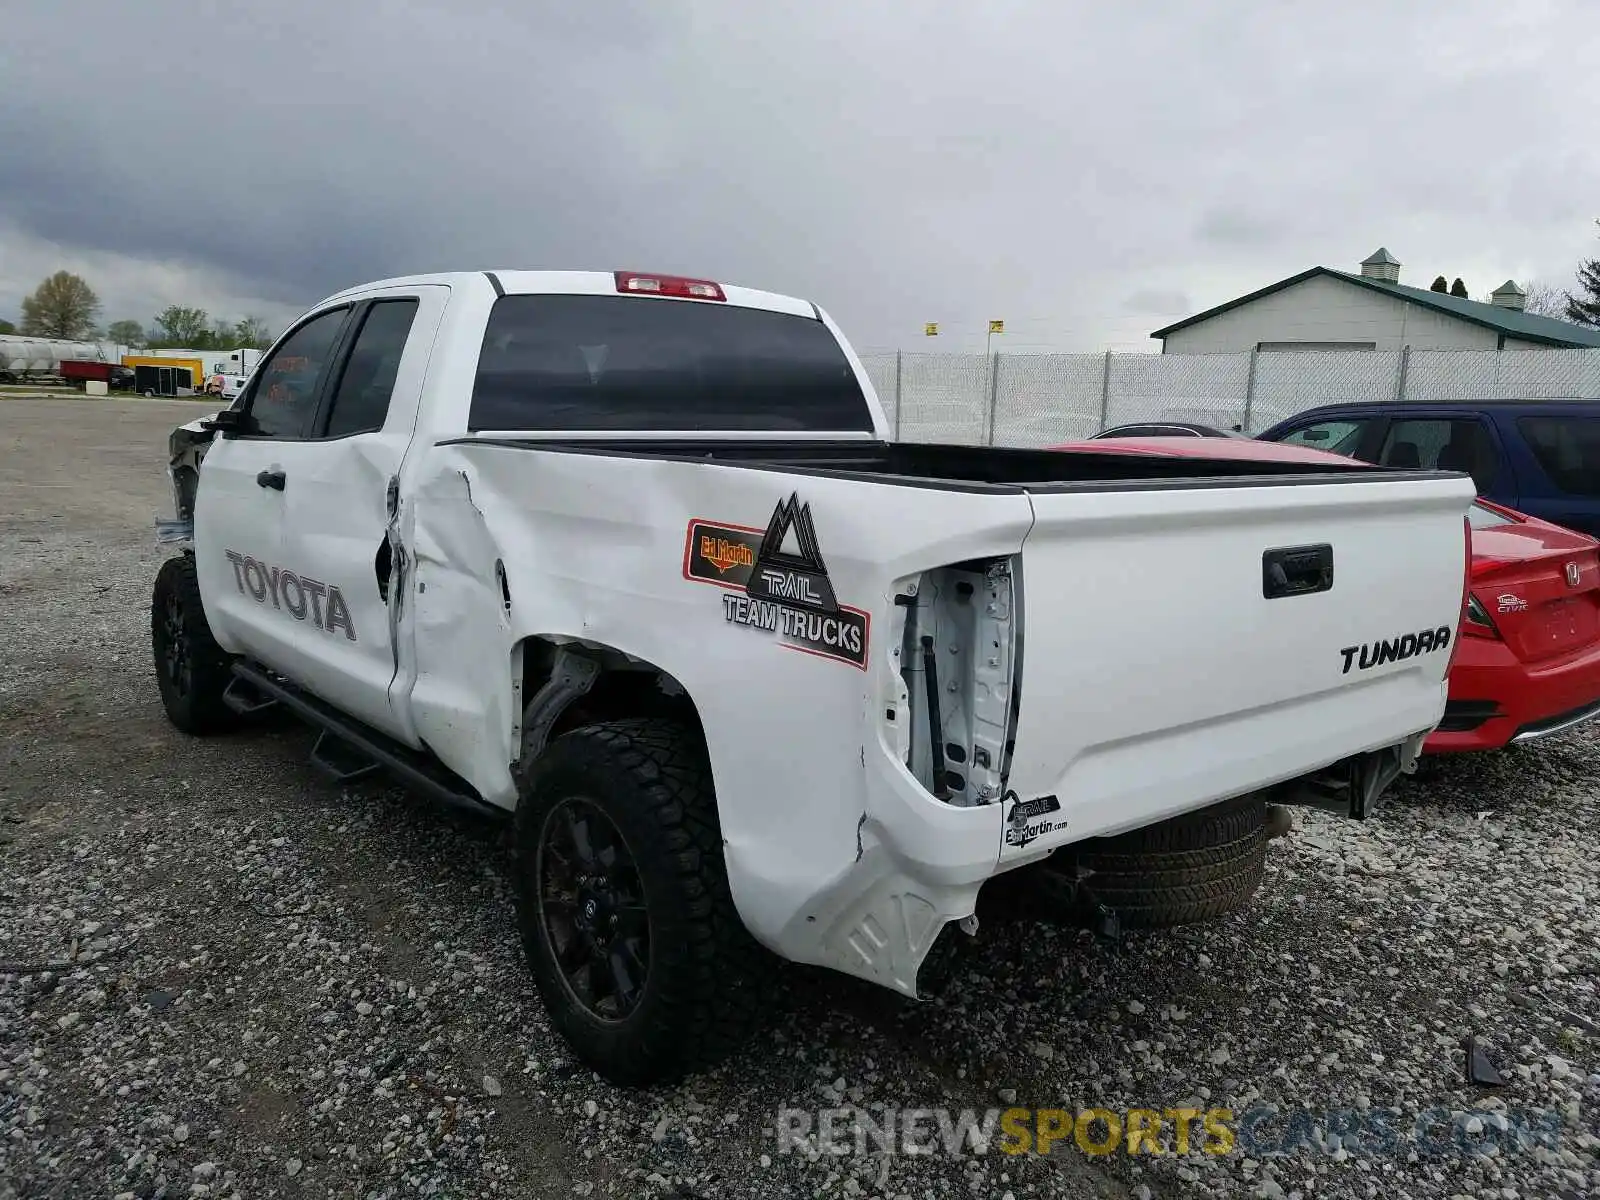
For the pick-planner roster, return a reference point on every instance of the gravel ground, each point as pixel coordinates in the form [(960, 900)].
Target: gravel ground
[(259, 985)]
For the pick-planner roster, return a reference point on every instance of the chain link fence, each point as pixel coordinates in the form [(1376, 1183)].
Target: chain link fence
[(1040, 399)]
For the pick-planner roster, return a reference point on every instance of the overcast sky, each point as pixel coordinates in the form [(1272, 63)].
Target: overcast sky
[(1088, 172)]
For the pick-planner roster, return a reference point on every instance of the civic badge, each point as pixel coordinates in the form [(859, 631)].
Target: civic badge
[(1574, 575)]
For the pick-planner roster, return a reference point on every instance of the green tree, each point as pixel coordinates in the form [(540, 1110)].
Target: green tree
[(126, 333), (7, 327), (1441, 284), (252, 333), (63, 306), (181, 328), (1459, 289), (1584, 308)]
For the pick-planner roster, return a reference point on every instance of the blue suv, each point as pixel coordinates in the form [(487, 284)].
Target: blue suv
[(1540, 457)]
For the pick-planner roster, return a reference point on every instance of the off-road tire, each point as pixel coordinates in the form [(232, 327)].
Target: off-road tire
[(193, 702), (708, 982), (1192, 868)]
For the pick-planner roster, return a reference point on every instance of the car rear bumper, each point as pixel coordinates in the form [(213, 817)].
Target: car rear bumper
[(1557, 724), (1496, 700)]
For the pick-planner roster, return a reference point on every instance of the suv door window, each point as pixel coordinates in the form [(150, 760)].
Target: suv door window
[(283, 398), (1568, 448), (1335, 436), (1442, 444), (361, 400)]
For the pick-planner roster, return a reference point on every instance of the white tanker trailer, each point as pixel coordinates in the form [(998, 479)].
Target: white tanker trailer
[(33, 358)]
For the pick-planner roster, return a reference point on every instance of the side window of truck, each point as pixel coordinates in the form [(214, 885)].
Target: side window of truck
[(283, 395), (361, 400)]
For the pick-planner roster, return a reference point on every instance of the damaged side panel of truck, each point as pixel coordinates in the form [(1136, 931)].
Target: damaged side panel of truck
[(524, 577), (510, 552)]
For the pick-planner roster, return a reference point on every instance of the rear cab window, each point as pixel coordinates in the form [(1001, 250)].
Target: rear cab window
[(575, 363), (1567, 449)]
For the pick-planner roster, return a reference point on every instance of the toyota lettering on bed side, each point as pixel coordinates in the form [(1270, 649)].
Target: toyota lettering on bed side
[(300, 596), (1396, 649)]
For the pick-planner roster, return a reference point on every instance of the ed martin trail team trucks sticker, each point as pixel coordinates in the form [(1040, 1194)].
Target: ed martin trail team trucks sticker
[(787, 593), (1022, 822)]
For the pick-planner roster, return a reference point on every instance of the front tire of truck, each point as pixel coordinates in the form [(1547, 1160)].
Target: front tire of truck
[(192, 671), (626, 917)]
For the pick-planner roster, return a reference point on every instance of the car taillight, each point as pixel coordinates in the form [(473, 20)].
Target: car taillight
[(668, 285), (1475, 620)]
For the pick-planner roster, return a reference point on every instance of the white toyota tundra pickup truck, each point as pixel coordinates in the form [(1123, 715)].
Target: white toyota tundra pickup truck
[(633, 559)]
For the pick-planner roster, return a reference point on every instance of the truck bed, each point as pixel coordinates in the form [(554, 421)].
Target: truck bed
[(1154, 638), (998, 469)]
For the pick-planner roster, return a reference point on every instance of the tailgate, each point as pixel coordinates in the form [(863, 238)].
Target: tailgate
[(1158, 676)]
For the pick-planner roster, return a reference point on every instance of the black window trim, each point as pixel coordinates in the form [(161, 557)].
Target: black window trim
[(1447, 414), (344, 350), (338, 351), (356, 312), (1371, 442)]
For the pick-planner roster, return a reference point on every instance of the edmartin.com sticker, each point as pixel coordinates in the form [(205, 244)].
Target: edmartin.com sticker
[(777, 581)]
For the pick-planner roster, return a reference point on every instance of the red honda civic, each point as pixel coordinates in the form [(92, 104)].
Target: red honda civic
[(1527, 661)]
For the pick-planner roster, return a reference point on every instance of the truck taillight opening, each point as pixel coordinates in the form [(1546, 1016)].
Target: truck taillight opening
[(960, 649), (668, 285)]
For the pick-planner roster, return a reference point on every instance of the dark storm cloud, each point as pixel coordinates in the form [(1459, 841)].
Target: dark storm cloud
[(1035, 161), (321, 148)]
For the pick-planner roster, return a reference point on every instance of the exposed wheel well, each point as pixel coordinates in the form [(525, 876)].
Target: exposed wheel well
[(569, 684)]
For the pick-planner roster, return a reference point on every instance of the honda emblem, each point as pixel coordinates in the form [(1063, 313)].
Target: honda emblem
[(1573, 574)]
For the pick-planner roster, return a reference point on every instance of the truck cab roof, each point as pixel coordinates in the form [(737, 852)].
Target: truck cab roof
[(517, 282)]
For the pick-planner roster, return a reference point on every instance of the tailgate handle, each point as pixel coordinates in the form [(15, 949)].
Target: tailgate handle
[(1296, 571)]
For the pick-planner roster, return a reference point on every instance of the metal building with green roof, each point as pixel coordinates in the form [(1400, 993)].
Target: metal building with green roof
[(1325, 309)]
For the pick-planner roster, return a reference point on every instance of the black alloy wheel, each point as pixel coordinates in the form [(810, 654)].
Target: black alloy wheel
[(593, 909), (624, 906), (192, 671), (173, 648)]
